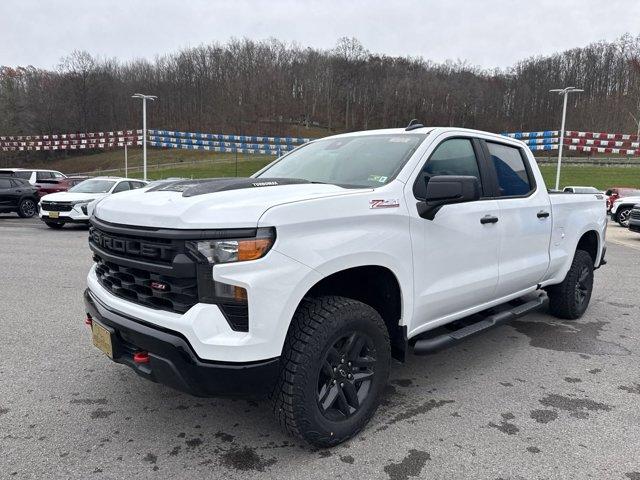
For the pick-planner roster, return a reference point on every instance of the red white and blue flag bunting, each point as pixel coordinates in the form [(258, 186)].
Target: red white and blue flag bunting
[(228, 138), (185, 146)]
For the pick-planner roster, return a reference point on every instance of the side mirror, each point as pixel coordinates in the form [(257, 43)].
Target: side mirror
[(447, 189)]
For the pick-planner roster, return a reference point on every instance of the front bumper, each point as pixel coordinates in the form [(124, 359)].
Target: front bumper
[(173, 362), (75, 215)]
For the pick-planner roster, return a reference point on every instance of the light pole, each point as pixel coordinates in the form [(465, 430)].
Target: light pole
[(638, 122), (565, 93), (144, 129)]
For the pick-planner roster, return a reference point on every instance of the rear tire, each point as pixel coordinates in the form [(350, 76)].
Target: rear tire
[(54, 225), (623, 217), (27, 208), (334, 367), (570, 299)]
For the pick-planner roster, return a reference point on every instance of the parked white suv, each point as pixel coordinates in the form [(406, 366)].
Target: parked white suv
[(59, 208), (31, 175), (306, 279)]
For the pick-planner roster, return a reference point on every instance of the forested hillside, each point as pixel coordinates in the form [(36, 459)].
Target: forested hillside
[(250, 87)]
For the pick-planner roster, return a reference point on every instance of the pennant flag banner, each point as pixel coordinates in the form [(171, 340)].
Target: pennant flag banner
[(602, 135), (215, 142), (521, 135), (185, 146), (553, 146), (229, 138), (212, 143), (589, 142), (71, 141)]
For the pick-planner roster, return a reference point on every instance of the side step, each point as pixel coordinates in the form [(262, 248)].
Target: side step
[(434, 344)]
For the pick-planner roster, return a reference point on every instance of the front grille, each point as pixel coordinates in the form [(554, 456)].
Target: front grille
[(57, 206), (158, 271), (635, 213), (154, 272), (134, 284)]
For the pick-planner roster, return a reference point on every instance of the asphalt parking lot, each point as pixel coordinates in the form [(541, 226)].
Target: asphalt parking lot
[(539, 398)]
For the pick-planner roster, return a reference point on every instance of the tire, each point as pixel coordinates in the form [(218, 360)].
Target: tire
[(570, 299), (317, 362), (54, 225), (623, 216), (27, 208)]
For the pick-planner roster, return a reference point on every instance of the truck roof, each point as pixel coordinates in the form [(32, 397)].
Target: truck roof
[(427, 130)]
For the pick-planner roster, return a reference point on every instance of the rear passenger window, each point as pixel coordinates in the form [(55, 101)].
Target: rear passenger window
[(513, 177), (452, 157)]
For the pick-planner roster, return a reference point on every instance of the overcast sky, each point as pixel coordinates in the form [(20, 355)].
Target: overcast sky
[(488, 33)]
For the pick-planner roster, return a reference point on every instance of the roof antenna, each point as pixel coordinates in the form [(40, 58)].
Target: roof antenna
[(413, 124)]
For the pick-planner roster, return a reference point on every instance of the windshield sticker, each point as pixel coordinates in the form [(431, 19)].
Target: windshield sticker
[(391, 203), (377, 178), (400, 140)]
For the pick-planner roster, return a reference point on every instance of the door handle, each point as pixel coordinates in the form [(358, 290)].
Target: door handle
[(543, 214), (488, 219)]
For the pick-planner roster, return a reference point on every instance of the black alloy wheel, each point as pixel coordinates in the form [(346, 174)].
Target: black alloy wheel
[(345, 375), (27, 208), (583, 285)]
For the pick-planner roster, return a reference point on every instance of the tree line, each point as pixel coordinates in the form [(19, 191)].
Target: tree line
[(269, 87)]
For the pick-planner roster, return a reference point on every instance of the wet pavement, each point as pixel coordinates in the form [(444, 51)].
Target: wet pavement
[(538, 398)]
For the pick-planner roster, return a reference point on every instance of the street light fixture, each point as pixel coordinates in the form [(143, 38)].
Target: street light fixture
[(565, 93), (638, 122), (144, 129)]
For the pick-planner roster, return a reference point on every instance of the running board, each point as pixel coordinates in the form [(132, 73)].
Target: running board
[(431, 345)]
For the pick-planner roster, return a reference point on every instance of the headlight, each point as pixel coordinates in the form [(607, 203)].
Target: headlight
[(235, 250), (82, 202)]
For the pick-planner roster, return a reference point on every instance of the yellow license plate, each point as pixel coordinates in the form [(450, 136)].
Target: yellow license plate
[(54, 214), (101, 338)]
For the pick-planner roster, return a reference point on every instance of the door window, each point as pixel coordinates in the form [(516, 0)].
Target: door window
[(43, 175), (121, 187), (135, 185), (5, 183), (513, 178), (452, 157)]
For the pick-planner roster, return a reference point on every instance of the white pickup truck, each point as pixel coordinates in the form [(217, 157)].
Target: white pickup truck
[(305, 280)]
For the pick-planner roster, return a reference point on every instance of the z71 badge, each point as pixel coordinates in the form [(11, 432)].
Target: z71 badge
[(394, 203)]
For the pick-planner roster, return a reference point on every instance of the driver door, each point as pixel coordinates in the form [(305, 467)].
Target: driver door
[(455, 255)]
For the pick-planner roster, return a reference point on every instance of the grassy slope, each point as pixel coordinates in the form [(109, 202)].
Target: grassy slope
[(593, 175)]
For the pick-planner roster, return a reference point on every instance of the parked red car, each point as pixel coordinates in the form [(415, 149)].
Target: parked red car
[(618, 192), (54, 185)]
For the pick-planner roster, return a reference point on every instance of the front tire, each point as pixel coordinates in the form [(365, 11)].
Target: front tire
[(570, 299), (334, 367), (27, 208), (623, 217)]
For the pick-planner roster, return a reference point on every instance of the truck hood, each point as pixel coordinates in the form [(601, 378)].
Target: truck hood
[(239, 208)]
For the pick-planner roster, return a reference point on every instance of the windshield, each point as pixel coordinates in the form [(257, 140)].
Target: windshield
[(93, 186), (362, 161)]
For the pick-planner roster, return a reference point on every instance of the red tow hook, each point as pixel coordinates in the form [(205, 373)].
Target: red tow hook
[(88, 320), (141, 357)]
